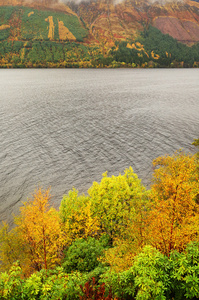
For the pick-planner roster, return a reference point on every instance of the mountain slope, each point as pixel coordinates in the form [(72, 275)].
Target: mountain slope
[(24, 23), (106, 20), (126, 19), (48, 33)]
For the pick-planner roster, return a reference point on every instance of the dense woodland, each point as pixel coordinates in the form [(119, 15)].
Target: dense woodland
[(32, 38), (120, 241), (151, 49)]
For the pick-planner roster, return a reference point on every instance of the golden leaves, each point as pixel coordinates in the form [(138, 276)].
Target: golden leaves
[(64, 33), (2, 27), (77, 217), (40, 229), (175, 213)]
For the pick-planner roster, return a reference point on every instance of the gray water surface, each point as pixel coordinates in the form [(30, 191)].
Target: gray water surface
[(64, 128)]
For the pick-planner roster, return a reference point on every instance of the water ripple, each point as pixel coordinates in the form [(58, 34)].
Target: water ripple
[(64, 128)]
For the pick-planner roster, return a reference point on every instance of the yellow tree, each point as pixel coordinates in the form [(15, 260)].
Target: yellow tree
[(117, 201), (121, 204), (174, 219), (39, 228), (76, 216)]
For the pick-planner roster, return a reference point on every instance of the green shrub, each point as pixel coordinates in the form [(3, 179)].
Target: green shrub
[(83, 254), (11, 284), (151, 271), (185, 273), (147, 279)]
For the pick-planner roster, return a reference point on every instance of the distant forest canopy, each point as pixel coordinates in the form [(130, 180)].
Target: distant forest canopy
[(99, 34), (118, 242)]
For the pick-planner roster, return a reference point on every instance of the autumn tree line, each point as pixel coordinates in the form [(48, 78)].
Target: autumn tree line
[(156, 50), (120, 241)]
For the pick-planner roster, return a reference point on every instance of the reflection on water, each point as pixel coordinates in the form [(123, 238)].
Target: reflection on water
[(64, 128)]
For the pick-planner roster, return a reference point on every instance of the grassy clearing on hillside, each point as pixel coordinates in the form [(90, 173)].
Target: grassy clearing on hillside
[(36, 25)]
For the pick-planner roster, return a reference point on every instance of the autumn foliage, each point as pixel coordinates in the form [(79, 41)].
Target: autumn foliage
[(121, 241), (39, 227), (40, 239), (92, 291), (174, 219)]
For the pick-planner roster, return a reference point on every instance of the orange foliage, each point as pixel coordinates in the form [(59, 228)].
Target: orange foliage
[(31, 13), (2, 27), (40, 230), (174, 219), (155, 56), (121, 256)]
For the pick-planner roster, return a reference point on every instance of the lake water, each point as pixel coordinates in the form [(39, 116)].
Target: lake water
[(64, 128)]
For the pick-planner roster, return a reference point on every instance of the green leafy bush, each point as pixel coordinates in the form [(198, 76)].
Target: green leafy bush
[(151, 271), (185, 273), (11, 284), (83, 254)]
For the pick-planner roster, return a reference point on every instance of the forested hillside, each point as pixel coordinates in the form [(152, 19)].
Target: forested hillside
[(99, 34)]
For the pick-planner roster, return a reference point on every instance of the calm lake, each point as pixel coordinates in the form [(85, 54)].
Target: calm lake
[(64, 128)]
